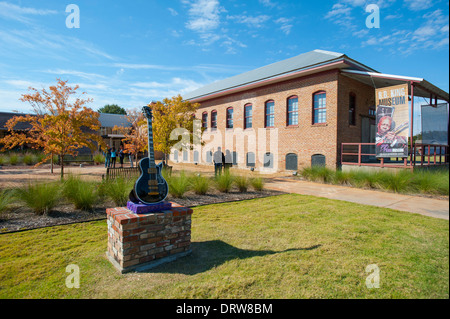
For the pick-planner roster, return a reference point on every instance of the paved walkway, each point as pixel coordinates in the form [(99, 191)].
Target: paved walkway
[(415, 204)]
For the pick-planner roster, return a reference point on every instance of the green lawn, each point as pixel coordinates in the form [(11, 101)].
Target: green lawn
[(288, 246)]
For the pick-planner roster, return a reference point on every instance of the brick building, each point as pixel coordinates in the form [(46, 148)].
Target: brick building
[(293, 113)]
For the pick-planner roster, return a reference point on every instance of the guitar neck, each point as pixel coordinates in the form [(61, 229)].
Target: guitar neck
[(151, 153)]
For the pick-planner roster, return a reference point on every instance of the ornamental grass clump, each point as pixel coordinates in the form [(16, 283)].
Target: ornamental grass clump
[(27, 159), (118, 190), (199, 184), (224, 182), (40, 197), (257, 183), (178, 185), (242, 183), (82, 194), (6, 198), (13, 159), (398, 182)]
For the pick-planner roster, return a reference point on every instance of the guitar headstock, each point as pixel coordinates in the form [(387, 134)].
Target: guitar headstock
[(147, 112)]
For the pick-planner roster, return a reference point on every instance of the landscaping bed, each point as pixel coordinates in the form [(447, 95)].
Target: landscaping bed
[(21, 218)]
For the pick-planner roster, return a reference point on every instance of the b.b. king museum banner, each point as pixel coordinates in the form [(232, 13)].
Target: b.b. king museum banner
[(392, 120)]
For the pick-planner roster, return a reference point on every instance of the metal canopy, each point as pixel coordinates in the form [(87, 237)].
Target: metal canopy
[(422, 88)]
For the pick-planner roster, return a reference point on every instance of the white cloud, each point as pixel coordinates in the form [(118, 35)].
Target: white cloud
[(417, 5), (14, 12), (286, 25), (268, 3), (251, 21), (173, 12), (204, 15)]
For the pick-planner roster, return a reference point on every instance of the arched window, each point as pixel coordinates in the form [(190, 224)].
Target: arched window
[(292, 111), (291, 162), (268, 160), (230, 117), (251, 159), (248, 116), (269, 114), (205, 120), (196, 155), (318, 160), (213, 119), (319, 107)]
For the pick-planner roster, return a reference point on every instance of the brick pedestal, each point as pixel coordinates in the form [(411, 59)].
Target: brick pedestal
[(137, 242)]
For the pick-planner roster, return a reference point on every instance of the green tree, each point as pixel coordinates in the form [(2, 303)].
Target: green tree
[(112, 109), (169, 115)]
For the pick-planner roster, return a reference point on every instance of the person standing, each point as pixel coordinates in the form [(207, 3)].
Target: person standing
[(121, 156), (113, 157), (218, 162), (107, 155)]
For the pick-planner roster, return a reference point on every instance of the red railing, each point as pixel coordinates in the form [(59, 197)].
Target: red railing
[(422, 154)]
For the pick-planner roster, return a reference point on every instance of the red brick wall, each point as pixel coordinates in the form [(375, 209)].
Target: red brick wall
[(305, 139)]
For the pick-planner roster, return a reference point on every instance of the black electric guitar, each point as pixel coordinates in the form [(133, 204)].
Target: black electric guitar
[(150, 187)]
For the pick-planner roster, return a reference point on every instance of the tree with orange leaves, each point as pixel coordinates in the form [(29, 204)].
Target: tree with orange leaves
[(62, 123), (135, 140)]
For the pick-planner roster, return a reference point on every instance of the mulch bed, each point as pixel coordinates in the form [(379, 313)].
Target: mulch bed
[(24, 219)]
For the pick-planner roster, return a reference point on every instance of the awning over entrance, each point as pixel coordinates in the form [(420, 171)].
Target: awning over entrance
[(422, 87)]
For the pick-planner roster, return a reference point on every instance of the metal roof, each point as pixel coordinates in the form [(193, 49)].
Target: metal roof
[(5, 116), (422, 87), (111, 120), (280, 70)]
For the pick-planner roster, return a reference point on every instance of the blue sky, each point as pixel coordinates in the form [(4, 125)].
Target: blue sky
[(131, 52)]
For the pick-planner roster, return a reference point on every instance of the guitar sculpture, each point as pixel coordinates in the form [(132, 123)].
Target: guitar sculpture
[(150, 187)]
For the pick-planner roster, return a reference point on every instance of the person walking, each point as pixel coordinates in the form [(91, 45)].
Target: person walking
[(113, 157), (121, 156)]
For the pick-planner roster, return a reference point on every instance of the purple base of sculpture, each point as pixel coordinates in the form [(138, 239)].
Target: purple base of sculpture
[(140, 208)]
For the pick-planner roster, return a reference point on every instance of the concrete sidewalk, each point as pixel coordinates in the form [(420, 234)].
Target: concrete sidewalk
[(415, 204)]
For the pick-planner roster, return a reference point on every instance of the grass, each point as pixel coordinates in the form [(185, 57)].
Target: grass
[(224, 182), (83, 194), (199, 184), (117, 190), (242, 183), (288, 246), (178, 185), (40, 197), (257, 183), (434, 182), (6, 198)]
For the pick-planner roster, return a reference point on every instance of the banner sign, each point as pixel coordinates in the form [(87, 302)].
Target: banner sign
[(392, 120)]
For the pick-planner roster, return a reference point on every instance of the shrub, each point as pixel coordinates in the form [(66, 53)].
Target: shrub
[(257, 183), (27, 159), (82, 194), (13, 159), (178, 185), (396, 182), (341, 178), (224, 182), (98, 158), (3, 160), (118, 190), (199, 184), (6, 198), (40, 197), (242, 183)]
